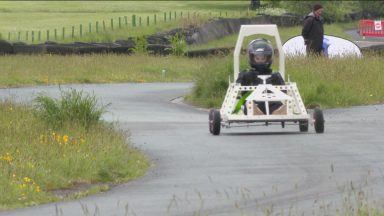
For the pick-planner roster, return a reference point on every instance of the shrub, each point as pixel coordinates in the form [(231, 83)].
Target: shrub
[(141, 44), (73, 107), (179, 44)]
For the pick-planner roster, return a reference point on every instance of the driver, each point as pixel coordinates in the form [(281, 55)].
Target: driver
[(260, 54)]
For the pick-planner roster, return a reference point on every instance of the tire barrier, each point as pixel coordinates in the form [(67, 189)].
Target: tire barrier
[(22, 48), (5, 47), (376, 49), (208, 52)]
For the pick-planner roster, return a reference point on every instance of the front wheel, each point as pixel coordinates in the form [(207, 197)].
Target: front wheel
[(214, 122), (319, 120)]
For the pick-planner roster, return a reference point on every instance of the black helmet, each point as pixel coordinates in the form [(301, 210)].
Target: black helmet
[(260, 48)]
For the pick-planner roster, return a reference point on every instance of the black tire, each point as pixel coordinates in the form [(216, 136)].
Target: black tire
[(214, 122), (303, 125), (318, 120)]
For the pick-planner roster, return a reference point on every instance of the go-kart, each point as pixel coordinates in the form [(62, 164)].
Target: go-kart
[(291, 111)]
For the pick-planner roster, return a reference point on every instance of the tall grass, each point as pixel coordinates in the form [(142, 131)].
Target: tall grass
[(36, 159), (74, 106), (179, 45), (336, 82)]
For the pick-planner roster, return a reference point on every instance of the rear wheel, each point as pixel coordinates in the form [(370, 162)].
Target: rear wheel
[(319, 120), (303, 125), (214, 122)]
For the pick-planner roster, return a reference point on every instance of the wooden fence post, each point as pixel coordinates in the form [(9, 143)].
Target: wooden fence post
[(97, 26), (90, 28), (165, 17), (81, 30), (155, 19), (147, 20), (119, 22), (39, 36), (33, 36), (47, 35), (139, 21), (63, 33), (26, 35), (9, 36), (126, 21), (112, 24), (55, 34), (170, 15), (73, 31), (133, 20), (103, 25)]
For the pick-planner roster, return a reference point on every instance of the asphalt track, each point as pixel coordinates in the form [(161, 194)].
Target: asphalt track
[(244, 171)]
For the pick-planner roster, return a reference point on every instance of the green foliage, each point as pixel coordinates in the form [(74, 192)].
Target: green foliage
[(179, 45), (334, 11), (73, 107), (372, 9), (141, 45)]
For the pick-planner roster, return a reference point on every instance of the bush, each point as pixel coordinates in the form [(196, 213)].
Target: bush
[(333, 10), (73, 107), (141, 44), (372, 9), (179, 45)]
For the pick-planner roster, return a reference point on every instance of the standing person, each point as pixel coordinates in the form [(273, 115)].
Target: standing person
[(313, 31)]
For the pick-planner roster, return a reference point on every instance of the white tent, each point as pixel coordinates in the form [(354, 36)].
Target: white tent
[(338, 47)]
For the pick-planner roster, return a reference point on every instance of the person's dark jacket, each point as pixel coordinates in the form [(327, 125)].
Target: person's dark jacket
[(313, 32), (249, 78)]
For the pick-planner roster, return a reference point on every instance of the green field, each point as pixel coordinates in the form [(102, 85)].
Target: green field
[(22, 16)]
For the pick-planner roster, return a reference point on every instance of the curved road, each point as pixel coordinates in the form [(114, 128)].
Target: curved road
[(244, 171)]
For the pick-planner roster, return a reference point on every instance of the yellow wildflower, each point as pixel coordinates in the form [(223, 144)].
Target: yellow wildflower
[(37, 189), (7, 157), (65, 139), (27, 179)]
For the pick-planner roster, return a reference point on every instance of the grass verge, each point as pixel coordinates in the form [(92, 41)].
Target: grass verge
[(46, 69), (37, 160), (330, 83)]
